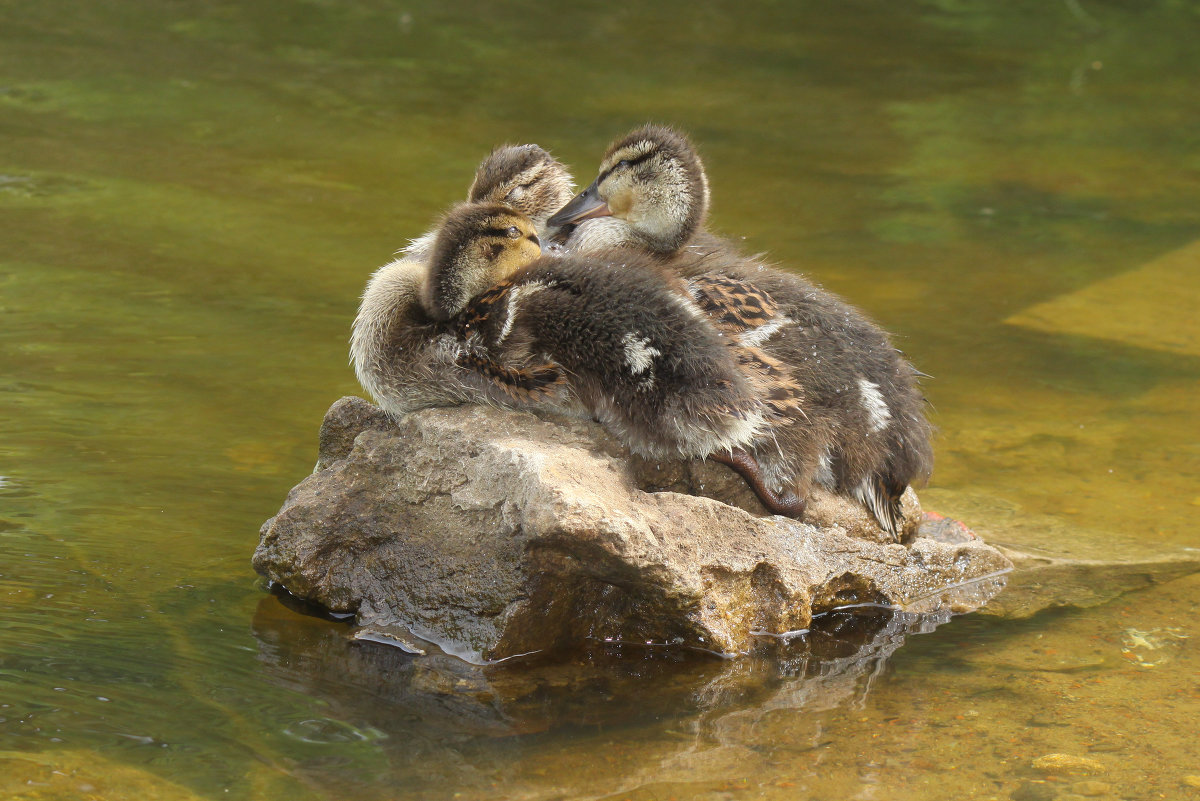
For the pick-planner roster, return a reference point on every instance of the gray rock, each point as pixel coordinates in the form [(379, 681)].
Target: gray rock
[(493, 533)]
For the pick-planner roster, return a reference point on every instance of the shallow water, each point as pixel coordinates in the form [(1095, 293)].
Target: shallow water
[(193, 194)]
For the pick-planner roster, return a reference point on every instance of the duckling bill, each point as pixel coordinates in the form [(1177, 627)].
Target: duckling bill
[(587, 205)]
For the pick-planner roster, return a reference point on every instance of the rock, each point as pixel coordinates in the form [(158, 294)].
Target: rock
[(493, 534), (824, 509), (1056, 563), (1034, 791), (1091, 788), (1068, 763)]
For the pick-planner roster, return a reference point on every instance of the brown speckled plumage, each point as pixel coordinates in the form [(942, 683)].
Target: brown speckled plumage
[(862, 431), (735, 306)]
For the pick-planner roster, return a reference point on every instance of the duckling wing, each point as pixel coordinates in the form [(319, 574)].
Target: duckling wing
[(481, 329), (749, 316), (635, 352), (521, 384), (774, 383)]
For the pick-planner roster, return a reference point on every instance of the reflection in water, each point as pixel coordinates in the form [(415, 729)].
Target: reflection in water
[(438, 719), (192, 195)]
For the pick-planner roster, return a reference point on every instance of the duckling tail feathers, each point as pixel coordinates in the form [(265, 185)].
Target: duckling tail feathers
[(881, 496)]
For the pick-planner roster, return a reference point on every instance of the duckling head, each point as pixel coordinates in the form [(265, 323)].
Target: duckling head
[(523, 177), (477, 246), (653, 181)]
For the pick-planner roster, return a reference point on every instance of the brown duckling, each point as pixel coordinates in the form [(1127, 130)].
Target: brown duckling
[(401, 355), (863, 432), (618, 341), (524, 177), (651, 195)]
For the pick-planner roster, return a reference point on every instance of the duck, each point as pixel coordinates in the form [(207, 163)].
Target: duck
[(651, 194), (403, 357), (617, 341), (524, 177), (862, 431)]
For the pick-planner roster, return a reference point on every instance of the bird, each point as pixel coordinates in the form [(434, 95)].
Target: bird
[(862, 430), (651, 194), (619, 341), (402, 357), (524, 177)]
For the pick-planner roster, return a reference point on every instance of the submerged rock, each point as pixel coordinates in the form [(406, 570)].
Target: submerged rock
[(494, 533), (1068, 763), (1057, 563)]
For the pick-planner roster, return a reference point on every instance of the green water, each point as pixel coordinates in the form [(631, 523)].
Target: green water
[(192, 195)]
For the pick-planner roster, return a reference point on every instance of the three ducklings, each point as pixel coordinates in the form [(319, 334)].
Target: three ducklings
[(679, 345), (614, 341), (485, 317)]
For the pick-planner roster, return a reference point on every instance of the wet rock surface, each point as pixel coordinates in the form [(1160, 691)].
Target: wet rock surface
[(495, 533)]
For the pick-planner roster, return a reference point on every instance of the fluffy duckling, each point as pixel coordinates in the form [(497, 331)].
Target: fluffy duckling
[(401, 355), (620, 342), (863, 432), (524, 177), (651, 195)]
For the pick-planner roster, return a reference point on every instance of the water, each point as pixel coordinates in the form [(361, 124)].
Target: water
[(193, 194)]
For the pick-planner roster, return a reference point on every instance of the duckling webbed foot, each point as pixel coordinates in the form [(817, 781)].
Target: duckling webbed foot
[(778, 503)]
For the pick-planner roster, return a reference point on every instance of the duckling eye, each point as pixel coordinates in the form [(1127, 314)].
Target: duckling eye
[(623, 163), (513, 232)]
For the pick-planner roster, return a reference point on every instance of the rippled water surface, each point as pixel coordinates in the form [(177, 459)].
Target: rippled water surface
[(192, 195)]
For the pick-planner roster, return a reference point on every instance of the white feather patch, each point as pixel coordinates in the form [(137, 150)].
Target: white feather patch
[(876, 406), (757, 336), (638, 353), (514, 299), (688, 306), (887, 515), (824, 473)]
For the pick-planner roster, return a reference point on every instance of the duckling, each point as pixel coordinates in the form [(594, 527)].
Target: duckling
[(620, 342), (863, 432), (651, 194), (401, 355), (524, 177)]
